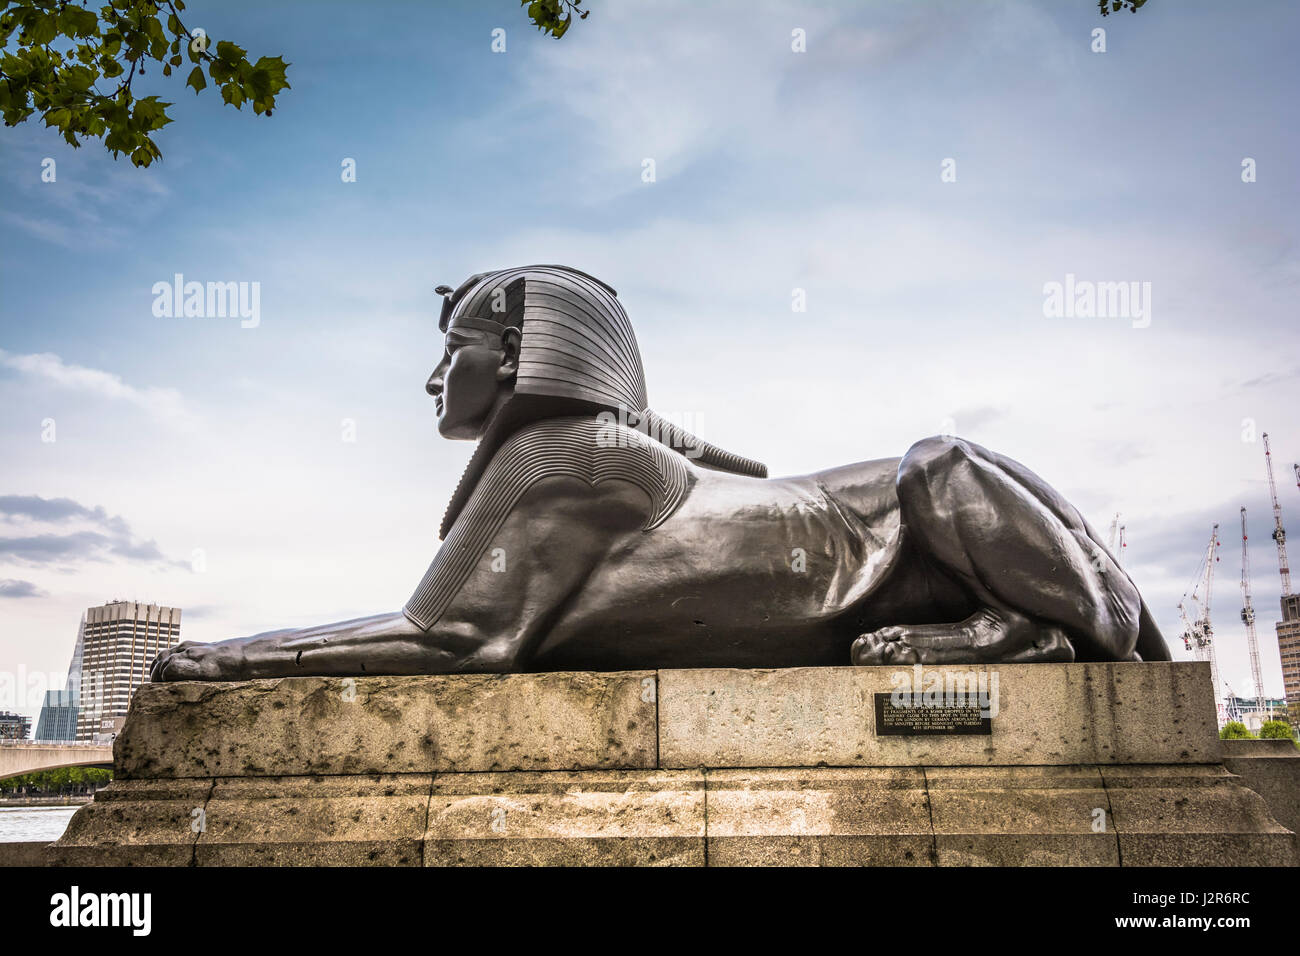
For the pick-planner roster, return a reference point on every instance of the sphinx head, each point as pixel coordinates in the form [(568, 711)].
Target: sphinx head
[(532, 342), (543, 341)]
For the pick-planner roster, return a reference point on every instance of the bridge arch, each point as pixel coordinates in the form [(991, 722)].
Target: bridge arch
[(34, 756)]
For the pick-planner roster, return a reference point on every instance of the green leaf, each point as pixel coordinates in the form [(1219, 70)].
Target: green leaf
[(77, 22), (196, 79), (274, 67), (227, 52), (78, 79), (41, 29)]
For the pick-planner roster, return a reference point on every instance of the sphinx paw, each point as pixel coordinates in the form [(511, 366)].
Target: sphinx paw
[(888, 645), (191, 661)]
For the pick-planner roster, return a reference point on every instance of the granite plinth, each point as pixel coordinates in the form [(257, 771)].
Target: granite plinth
[(1085, 764)]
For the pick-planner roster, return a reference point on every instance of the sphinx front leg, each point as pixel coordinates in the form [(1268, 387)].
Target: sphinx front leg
[(559, 530), (990, 635), (383, 644)]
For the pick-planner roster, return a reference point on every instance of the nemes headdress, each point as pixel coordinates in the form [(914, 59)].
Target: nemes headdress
[(577, 354)]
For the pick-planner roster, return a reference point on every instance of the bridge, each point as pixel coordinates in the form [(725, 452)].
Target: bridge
[(28, 756)]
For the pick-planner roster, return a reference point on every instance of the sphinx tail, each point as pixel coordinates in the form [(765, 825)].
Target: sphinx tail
[(683, 442)]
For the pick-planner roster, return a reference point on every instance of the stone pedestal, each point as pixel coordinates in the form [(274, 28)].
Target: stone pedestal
[(1272, 769), (1085, 764)]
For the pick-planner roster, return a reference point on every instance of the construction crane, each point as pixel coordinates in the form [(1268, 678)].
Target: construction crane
[(1198, 631), (1232, 696), (1248, 618), (1279, 532), (1116, 543)]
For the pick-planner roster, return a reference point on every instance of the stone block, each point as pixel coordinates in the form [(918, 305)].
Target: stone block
[(26, 853), (1021, 816), (1272, 769), (819, 817), (594, 818), (1268, 747), (135, 823), (1193, 816), (1060, 714), (303, 726), (315, 821)]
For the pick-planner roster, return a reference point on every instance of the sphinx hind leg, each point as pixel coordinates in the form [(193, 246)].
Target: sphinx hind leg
[(1018, 547), (990, 635)]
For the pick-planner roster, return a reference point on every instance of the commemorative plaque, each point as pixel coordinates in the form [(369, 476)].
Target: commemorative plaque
[(917, 718)]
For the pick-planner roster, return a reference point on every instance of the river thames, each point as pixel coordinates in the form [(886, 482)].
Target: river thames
[(31, 824)]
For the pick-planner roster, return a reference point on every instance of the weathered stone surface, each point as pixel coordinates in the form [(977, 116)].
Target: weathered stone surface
[(1193, 816), (597, 818), (1021, 816), (1088, 764), (819, 817), (1057, 714), (310, 725), (27, 853), (315, 821), (135, 823), (1272, 769), (1267, 747)]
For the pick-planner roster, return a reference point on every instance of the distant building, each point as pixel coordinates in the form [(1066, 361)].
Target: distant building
[(1288, 645), (58, 719), (14, 726), (121, 640)]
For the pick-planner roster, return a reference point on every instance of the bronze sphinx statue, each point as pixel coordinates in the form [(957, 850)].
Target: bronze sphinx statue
[(588, 533)]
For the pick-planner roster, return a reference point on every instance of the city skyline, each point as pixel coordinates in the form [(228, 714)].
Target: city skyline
[(242, 469)]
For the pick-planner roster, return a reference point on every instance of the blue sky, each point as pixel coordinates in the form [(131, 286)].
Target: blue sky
[(775, 170)]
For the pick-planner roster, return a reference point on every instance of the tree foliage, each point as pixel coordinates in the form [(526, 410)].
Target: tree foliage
[(73, 63), (62, 780), (554, 16), (1276, 730), (1235, 730), (1107, 7), (75, 66)]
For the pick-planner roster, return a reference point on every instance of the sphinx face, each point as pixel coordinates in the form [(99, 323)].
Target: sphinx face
[(467, 384)]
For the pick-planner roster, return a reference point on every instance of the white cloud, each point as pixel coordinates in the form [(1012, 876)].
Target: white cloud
[(165, 404)]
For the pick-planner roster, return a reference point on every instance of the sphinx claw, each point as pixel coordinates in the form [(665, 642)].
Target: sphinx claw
[(888, 645)]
